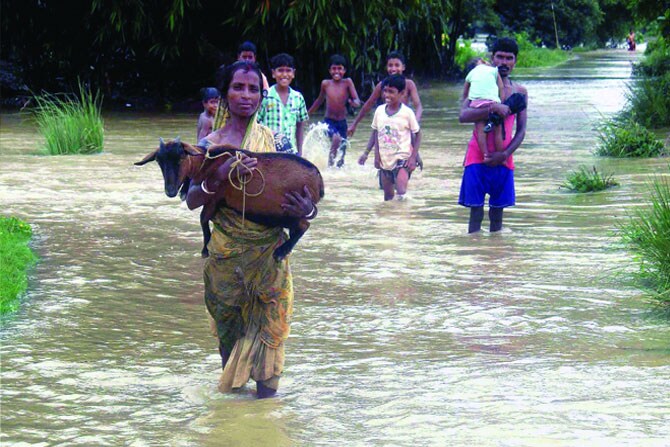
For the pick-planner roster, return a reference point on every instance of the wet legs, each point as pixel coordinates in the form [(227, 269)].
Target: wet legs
[(495, 218), (477, 216)]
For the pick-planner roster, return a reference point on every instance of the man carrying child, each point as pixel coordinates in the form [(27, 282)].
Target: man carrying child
[(493, 173), (337, 92)]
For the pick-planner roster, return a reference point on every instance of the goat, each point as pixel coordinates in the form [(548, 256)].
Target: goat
[(264, 191), (179, 162)]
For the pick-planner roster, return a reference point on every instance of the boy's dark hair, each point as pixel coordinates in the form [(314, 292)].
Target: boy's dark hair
[(208, 93), (397, 81), (282, 60), (337, 59), (395, 55), (230, 70), (505, 44), (246, 46), (472, 63)]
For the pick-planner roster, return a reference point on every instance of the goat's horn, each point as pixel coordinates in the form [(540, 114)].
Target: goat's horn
[(178, 139), (161, 141)]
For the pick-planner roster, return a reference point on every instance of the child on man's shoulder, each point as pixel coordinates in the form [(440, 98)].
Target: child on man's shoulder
[(337, 92)]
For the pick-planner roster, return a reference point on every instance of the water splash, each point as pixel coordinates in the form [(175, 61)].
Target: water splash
[(316, 146)]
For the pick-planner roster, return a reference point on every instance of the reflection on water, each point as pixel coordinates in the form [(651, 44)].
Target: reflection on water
[(407, 330)]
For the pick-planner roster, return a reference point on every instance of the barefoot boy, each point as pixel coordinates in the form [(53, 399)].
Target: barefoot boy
[(284, 110), (337, 91), (395, 65), (210, 102), (396, 137)]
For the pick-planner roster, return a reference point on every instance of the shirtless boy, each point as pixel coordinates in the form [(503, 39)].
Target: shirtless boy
[(337, 92), (395, 65)]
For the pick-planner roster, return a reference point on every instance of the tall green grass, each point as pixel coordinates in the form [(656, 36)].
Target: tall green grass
[(648, 235), (465, 52), (70, 124), (15, 258), (588, 180), (531, 55), (625, 138)]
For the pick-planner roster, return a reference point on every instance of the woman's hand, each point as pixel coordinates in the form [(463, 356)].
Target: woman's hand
[(298, 205), (222, 172)]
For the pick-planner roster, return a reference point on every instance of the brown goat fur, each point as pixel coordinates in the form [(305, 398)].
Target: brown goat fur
[(275, 175)]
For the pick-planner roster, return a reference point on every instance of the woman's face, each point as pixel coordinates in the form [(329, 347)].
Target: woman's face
[(244, 93)]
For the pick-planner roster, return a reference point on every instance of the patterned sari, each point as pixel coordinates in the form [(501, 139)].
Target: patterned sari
[(248, 293)]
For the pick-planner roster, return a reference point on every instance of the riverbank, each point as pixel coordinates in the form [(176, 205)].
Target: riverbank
[(17, 258)]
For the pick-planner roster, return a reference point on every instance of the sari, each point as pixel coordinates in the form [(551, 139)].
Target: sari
[(249, 294)]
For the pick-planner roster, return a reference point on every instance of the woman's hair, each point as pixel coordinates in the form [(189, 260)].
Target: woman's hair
[(230, 71), (397, 81)]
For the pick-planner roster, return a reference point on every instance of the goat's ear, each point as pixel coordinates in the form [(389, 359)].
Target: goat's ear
[(147, 159), (191, 150)]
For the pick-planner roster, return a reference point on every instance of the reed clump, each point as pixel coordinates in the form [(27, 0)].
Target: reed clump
[(647, 233), (16, 258), (627, 138), (588, 180), (70, 124)]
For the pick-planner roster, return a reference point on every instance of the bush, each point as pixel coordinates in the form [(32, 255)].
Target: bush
[(648, 235), (70, 125), (465, 52), (588, 180), (649, 101), (626, 138), (16, 258), (531, 55)]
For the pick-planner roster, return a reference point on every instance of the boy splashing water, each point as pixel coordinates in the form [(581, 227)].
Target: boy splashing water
[(337, 92), (397, 137)]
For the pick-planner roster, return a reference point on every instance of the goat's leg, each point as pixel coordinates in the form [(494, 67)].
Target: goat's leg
[(205, 215), (295, 233)]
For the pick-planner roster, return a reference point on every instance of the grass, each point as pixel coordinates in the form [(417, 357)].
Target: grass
[(70, 125), (588, 180), (16, 257), (648, 235), (532, 56), (626, 138)]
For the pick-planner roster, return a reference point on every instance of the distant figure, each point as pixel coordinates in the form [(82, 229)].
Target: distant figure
[(247, 52), (210, 102), (397, 136), (483, 87), (337, 92), (284, 110), (395, 65), (630, 40)]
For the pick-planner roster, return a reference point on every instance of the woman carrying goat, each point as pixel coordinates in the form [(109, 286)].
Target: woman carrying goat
[(247, 292)]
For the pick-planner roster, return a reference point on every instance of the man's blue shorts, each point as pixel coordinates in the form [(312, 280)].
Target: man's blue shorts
[(334, 127), (479, 180)]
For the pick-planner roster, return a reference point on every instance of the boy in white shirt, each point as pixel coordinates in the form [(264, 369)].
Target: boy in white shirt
[(397, 137)]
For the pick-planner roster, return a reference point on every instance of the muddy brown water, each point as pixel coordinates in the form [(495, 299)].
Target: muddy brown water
[(407, 331)]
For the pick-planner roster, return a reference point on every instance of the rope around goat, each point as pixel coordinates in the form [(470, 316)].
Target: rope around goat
[(243, 179)]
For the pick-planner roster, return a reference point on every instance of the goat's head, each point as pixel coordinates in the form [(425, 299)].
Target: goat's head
[(170, 157)]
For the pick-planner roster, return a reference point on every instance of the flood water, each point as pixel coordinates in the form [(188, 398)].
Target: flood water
[(407, 331)]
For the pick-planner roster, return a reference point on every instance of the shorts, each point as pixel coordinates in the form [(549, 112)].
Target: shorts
[(480, 103), (336, 127), (392, 174), (479, 180)]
